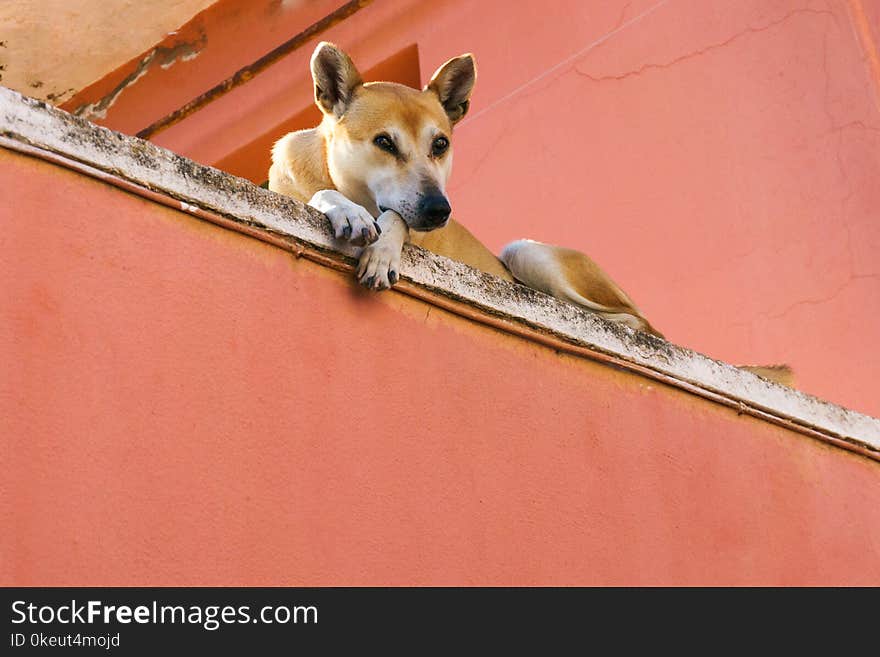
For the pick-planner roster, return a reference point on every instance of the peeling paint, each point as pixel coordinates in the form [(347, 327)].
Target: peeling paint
[(56, 96), (164, 56), (247, 73)]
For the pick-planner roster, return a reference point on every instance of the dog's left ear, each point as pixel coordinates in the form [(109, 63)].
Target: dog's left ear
[(453, 83)]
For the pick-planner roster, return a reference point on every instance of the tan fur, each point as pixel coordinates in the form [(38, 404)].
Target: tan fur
[(299, 165), (778, 373), (458, 243), (380, 198), (572, 276)]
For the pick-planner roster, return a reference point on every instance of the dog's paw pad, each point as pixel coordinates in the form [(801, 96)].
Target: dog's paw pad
[(378, 267)]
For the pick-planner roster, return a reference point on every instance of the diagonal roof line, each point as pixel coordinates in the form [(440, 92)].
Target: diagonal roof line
[(30, 126)]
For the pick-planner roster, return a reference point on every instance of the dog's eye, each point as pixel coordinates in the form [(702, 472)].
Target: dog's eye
[(384, 142), (439, 146)]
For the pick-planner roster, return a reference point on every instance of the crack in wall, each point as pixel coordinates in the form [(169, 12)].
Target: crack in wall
[(705, 50), (567, 62), (825, 299), (163, 56), (836, 128), (861, 125), (623, 13)]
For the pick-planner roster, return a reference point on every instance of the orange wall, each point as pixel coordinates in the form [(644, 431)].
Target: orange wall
[(719, 158), (184, 405)]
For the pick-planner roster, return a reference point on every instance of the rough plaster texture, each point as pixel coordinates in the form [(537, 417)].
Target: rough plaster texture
[(184, 405), (33, 122), (53, 48)]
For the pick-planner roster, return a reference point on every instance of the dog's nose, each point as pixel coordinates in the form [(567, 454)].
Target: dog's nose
[(435, 209)]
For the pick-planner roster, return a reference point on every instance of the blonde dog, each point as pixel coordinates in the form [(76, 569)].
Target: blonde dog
[(377, 166)]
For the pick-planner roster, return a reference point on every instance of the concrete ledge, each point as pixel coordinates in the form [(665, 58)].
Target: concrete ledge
[(32, 126)]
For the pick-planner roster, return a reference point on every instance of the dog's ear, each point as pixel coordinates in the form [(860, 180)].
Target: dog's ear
[(335, 79), (453, 83)]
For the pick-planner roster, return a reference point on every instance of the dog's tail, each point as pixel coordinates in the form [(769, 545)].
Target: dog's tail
[(572, 276)]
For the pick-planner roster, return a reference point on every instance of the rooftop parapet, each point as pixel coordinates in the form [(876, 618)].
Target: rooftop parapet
[(32, 127)]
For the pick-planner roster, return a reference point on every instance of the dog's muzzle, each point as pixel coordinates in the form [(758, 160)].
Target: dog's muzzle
[(432, 212)]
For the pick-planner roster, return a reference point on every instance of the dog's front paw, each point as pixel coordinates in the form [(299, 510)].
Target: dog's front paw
[(353, 223), (378, 266), (349, 220)]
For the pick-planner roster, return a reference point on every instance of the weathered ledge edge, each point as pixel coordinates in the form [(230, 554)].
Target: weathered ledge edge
[(33, 123)]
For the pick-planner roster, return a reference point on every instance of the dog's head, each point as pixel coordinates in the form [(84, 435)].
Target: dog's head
[(389, 146)]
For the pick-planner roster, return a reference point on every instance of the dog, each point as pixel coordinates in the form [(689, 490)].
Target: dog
[(377, 167)]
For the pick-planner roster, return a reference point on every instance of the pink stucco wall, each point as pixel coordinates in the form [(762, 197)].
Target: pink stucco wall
[(181, 404), (718, 158)]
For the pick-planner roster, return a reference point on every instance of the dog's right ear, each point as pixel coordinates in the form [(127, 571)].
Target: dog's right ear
[(453, 83), (335, 79)]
